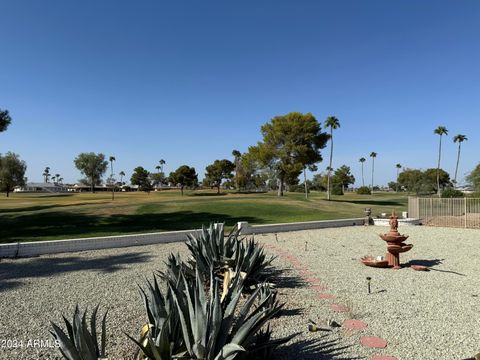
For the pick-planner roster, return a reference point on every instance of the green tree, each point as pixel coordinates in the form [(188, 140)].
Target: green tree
[(93, 167), (373, 155), (158, 179), (412, 180), (290, 143), (184, 176), (362, 161), (12, 172), (473, 178), (5, 120), (342, 177), (332, 123), (441, 130), (398, 166), (433, 177), (458, 139), (219, 170), (319, 182), (141, 177)]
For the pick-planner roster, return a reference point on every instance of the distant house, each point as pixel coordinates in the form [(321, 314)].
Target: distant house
[(41, 187)]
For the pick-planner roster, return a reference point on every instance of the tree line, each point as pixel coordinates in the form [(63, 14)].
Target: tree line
[(291, 144)]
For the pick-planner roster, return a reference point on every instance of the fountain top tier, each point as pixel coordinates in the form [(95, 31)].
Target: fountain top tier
[(393, 236)]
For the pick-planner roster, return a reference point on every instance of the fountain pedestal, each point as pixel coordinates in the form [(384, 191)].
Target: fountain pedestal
[(395, 243)]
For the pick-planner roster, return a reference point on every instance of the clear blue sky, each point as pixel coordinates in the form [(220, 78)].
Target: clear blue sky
[(188, 81)]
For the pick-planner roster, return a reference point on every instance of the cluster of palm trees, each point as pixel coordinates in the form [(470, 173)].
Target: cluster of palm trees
[(440, 131), (47, 176), (333, 123)]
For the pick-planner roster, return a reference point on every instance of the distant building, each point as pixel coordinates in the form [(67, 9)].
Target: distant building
[(41, 187)]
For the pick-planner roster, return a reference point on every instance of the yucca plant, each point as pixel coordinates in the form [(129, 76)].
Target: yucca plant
[(80, 343)]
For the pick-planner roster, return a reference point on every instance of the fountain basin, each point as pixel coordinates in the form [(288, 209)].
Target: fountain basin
[(371, 261), (394, 238), (399, 248)]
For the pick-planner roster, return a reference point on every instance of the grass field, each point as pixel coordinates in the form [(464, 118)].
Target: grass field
[(34, 217)]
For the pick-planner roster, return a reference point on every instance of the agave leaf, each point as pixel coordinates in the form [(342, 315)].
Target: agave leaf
[(67, 347), (229, 352), (147, 351), (69, 328), (93, 328), (103, 339)]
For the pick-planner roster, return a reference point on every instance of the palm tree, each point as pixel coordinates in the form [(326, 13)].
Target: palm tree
[(373, 155), (57, 176), (398, 166), (60, 180), (441, 130), (46, 174), (158, 167), (53, 179), (236, 155), (458, 138), (332, 123), (162, 162), (112, 159), (122, 174), (362, 160)]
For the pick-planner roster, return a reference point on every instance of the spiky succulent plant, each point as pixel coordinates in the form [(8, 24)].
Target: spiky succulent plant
[(80, 343), (213, 328)]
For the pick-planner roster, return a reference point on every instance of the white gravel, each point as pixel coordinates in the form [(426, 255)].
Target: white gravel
[(422, 315)]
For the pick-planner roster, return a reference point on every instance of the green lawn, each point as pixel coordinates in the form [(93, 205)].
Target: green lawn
[(34, 217)]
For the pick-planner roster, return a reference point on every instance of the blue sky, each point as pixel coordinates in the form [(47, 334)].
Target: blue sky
[(189, 81)]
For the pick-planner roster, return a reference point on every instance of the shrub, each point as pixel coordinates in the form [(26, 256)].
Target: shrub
[(364, 190), (300, 188), (452, 193)]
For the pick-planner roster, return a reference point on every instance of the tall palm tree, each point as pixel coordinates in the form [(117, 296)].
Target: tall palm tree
[(458, 138), (398, 166), (162, 162), (236, 155), (158, 167), (60, 180), (441, 130), (57, 176), (112, 159), (373, 155), (362, 160), (122, 174), (46, 174), (332, 123), (53, 179)]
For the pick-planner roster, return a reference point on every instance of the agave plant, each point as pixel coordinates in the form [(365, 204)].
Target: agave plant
[(162, 333), (211, 249), (212, 328), (80, 343)]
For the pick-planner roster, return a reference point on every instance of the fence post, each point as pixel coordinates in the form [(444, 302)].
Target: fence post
[(465, 201)]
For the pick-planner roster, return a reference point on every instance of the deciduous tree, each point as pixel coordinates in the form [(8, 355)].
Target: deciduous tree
[(218, 171), (12, 172), (93, 167)]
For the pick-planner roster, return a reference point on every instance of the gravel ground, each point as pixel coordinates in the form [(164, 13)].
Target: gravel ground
[(422, 315)]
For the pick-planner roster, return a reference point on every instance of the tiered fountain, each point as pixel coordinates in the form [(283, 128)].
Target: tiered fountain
[(395, 243)]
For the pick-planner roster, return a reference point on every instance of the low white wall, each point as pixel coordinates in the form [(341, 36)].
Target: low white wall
[(401, 222), (59, 246)]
